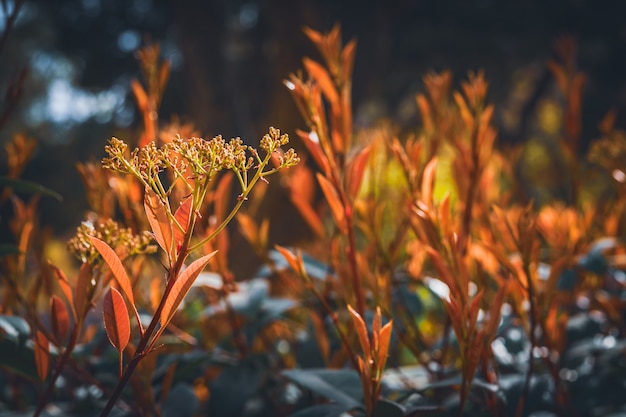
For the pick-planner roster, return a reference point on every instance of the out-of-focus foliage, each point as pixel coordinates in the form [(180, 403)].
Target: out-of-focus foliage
[(443, 274)]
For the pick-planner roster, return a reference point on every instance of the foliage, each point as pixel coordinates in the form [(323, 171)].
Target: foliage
[(432, 284)]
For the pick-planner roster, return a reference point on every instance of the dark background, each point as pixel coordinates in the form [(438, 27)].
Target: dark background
[(230, 57)]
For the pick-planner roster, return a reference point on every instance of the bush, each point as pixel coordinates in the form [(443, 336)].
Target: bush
[(432, 282)]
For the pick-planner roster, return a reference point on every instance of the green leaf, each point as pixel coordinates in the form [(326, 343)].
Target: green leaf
[(15, 353), (386, 408), (323, 410), (181, 401), (28, 187), (6, 249), (342, 386)]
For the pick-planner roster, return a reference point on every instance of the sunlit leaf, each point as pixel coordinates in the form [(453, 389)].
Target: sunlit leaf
[(116, 321), (181, 287), (383, 343), (361, 330), (292, 259), (140, 95), (159, 222), (60, 319), (357, 168), (42, 355), (182, 215), (428, 181), (115, 264)]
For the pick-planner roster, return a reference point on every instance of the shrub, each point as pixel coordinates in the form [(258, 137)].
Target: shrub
[(432, 284)]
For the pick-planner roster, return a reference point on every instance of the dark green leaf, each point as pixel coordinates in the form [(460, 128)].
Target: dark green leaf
[(567, 280), (342, 386), (15, 353), (6, 249), (323, 410), (386, 408), (28, 187), (181, 402)]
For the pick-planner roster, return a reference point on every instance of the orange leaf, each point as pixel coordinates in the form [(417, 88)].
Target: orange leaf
[(164, 74), (321, 76), (83, 282), (116, 321), (383, 344), (140, 95), (357, 168), (361, 330), (292, 259), (248, 228), (312, 143), (428, 181), (155, 292), (60, 319), (182, 215), (347, 59), (332, 197), (115, 264), (182, 286), (66, 288), (466, 115), (424, 109), (42, 355), (159, 222)]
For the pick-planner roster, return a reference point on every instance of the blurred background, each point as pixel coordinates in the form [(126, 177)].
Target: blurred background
[(229, 58)]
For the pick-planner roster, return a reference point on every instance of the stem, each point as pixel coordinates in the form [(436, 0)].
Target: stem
[(533, 341), (59, 368), (143, 348), (242, 198), (471, 192), (351, 252)]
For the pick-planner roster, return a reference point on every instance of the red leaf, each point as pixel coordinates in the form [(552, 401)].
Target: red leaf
[(42, 355), (66, 288), (60, 319), (83, 282), (159, 222), (181, 287), (115, 264), (116, 321), (182, 215)]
